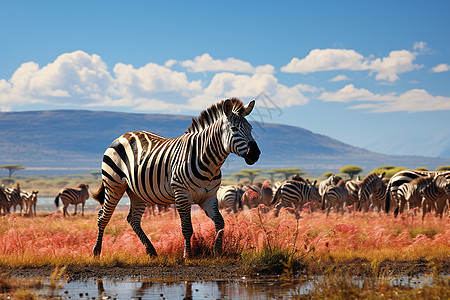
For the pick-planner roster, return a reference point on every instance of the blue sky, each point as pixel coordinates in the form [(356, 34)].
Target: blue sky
[(371, 74)]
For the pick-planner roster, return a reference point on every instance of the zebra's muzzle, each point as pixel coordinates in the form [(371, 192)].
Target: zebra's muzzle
[(252, 154)]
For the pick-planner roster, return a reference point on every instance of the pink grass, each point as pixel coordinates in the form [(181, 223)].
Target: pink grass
[(42, 240)]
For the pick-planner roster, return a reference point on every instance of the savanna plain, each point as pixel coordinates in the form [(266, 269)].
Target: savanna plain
[(334, 250)]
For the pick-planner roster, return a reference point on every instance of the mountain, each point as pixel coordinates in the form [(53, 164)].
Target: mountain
[(73, 141)]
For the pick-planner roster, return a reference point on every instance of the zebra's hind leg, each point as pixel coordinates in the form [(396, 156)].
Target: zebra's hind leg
[(112, 194), (211, 208), (137, 208)]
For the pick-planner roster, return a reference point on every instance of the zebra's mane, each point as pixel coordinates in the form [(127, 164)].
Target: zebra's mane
[(212, 114), (370, 178)]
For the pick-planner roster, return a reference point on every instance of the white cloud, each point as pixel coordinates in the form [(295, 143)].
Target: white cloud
[(441, 68), (386, 68), (326, 60), (71, 75), (80, 79), (339, 78), (227, 84), (205, 63), (411, 101)]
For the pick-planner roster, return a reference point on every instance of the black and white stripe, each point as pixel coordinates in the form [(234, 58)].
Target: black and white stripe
[(330, 181), (229, 197), (372, 186), (400, 178), (13, 198), (183, 170), (73, 196), (335, 196), (29, 199), (294, 193)]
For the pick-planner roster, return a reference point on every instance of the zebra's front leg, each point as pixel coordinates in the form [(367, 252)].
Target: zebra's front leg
[(211, 208), (75, 213)]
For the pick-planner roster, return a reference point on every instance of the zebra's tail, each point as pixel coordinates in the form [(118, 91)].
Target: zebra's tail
[(99, 195), (57, 200)]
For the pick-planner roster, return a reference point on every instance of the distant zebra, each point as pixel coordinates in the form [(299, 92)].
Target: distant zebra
[(400, 178), (294, 193), (74, 196), (335, 196), (3, 200), (332, 180), (435, 195), (372, 185), (183, 170), (229, 197), (352, 188), (29, 199), (14, 198)]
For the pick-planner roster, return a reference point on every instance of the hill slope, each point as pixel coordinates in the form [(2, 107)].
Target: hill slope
[(73, 141)]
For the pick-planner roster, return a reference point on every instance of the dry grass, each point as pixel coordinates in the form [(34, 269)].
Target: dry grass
[(53, 240)]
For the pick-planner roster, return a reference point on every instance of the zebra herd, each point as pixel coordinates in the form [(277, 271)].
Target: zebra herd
[(407, 190), (154, 170), (13, 197)]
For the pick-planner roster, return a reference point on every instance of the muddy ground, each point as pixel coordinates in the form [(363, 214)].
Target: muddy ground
[(232, 270)]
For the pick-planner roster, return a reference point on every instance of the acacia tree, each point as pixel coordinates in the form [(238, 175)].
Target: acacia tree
[(249, 173), (443, 168), (12, 168), (351, 171), (288, 172)]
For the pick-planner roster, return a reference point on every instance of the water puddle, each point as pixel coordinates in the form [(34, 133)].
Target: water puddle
[(218, 289), (259, 288)]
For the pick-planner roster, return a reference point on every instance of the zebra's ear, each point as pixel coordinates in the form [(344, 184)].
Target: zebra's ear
[(249, 108), (228, 107), (382, 175)]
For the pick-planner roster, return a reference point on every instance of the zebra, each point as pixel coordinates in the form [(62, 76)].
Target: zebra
[(400, 178), (352, 188), (332, 180), (229, 197), (29, 199), (76, 195), (372, 185), (13, 198), (293, 193), (3, 200), (183, 170), (435, 194), (335, 196)]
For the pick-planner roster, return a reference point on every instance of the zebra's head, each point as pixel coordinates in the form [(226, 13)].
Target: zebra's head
[(237, 137)]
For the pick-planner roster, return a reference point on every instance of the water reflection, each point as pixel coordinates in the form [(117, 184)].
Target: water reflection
[(268, 288)]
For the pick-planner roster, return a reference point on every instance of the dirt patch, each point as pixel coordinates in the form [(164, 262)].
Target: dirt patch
[(232, 270)]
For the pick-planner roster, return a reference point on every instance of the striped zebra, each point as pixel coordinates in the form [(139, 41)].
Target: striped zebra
[(29, 199), (435, 195), (400, 178), (13, 198), (183, 170), (335, 196), (294, 193), (371, 186), (229, 197), (332, 180), (3, 200), (75, 195), (352, 188)]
